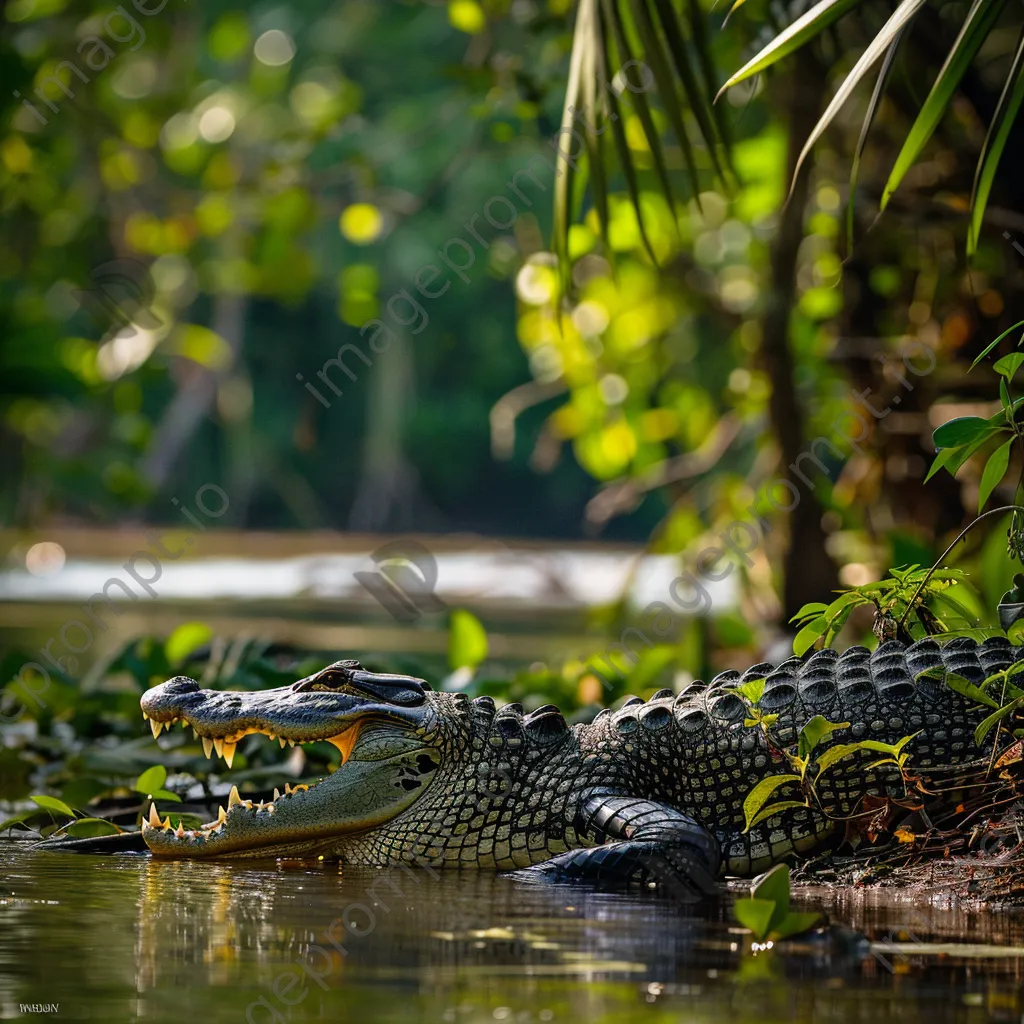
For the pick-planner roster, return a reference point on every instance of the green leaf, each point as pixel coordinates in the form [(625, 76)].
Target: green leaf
[(995, 470), (869, 117), (165, 794), (467, 640), (18, 819), (988, 348), (967, 689), (773, 886), (814, 608), (1008, 366), (814, 732), (796, 923), (755, 915), (89, 828), (841, 750), (772, 809), (973, 32), (962, 430), (756, 798), (51, 803), (943, 456), (881, 42), (618, 129), (805, 28), (985, 727), (151, 779), (999, 130), (186, 639), (807, 636), (753, 690)]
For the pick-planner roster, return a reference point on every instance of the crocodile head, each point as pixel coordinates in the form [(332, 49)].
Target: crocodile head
[(384, 726)]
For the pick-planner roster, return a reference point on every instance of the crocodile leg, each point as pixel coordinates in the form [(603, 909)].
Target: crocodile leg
[(640, 841)]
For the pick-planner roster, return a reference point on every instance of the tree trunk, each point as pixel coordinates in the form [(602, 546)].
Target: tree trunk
[(809, 573)]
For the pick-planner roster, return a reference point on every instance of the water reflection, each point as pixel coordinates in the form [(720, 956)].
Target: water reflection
[(123, 938)]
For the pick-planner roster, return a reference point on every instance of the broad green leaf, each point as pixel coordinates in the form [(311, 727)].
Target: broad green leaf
[(771, 810), (797, 922), (773, 885), (753, 690), (807, 636), (186, 639), (89, 828), (995, 470), (805, 28), (756, 798), (18, 819), (944, 455), (967, 689), (841, 750), (755, 915), (165, 794), (992, 345), (961, 430), (814, 608), (467, 640), (985, 727), (51, 803), (881, 42), (973, 32), (814, 732), (1008, 366), (1003, 121), (151, 779)]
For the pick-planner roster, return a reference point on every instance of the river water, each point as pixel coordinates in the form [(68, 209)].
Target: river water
[(125, 938)]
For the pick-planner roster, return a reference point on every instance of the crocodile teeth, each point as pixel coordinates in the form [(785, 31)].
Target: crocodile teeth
[(229, 752), (291, 743), (180, 831), (195, 733), (154, 817), (218, 745), (207, 745), (145, 717), (222, 815), (156, 727), (233, 797), (277, 793)]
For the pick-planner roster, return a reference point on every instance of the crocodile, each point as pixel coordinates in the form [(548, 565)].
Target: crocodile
[(652, 792)]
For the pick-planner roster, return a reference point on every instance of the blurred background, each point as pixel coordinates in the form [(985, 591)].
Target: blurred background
[(219, 336)]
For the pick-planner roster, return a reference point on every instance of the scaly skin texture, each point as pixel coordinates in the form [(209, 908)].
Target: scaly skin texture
[(654, 790)]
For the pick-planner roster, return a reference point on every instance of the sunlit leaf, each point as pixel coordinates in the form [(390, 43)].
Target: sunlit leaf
[(999, 130), (973, 32), (995, 470), (467, 640), (51, 803), (186, 639), (755, 915), (757, 796), (151, 779), (805, 28)]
